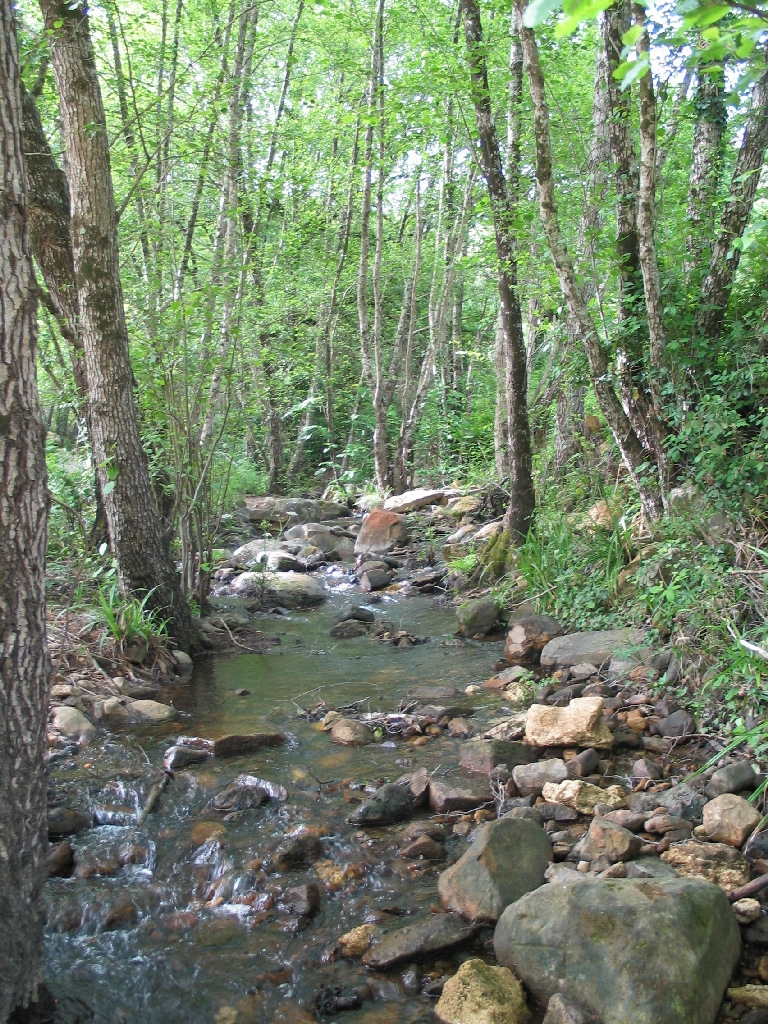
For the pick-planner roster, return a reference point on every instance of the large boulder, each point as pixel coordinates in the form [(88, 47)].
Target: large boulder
[(579, 724), (595, 647), (477, 616), (277, 513), (381, 532), (528, 637), (648, 951), (507, 860), (290, 589), (481, 994)]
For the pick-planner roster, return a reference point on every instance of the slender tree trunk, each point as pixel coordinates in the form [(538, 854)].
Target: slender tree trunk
[(140, 541), (738, 208), (631, 447), (522, 496), (24, 668), (706, 171)]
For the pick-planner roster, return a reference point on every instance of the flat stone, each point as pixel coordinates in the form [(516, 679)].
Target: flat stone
[(237, 745), (507, 677), (580, 724), (596, 647), (563, 1011), (282, 512), (730, 819), (458, 794), (679, 723), (432, 692), (507, 859), (682, 801), (641, 951), (73, 724), (714, 862), (353, 611), (481, 994), (409, 501), (432, 935), (481, 756), (423, 848), (349, 629)]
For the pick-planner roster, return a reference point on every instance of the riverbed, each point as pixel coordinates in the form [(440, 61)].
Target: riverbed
[(185, 917)]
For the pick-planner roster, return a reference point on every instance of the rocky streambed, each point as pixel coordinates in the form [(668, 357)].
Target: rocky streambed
[(389, 821)]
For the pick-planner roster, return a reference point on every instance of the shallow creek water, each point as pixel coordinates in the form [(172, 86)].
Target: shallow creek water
[(161, 938)]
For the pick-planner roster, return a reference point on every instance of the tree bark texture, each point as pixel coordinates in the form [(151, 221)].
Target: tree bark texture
[(738, 208), (632, 451), (522, 503), (139, 539), (706, 170), (24, 669)]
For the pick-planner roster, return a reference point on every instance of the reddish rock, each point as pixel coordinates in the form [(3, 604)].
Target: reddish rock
[(381, 532), (528, 637)]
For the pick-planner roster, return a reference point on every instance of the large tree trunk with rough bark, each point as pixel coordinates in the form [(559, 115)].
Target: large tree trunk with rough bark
[(24, 670), (522, 502), (139, 540)]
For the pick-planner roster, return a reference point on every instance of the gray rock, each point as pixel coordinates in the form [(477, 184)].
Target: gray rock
[(432, 692), (151, 711), (354, 611), (480, 756), (328, 540), (349, 629), (458, 794), (281, 512), (681, 801), (73, 724), (179, 756), (530, 779), (375, 579), (417, 498), (183, 662), (679, 723), (507, 859), (607, 839), (757, 934), (755, 1017), (296, 850), (563, 1011), (433, 935), (281, 561), (595, 647), (290, 589), (237, 745), (650, 867), (733, 778), (477, 616), (644, 951), (389, 803), (67, 821)]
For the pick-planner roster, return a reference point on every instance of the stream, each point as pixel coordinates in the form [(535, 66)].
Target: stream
[(184, 918)]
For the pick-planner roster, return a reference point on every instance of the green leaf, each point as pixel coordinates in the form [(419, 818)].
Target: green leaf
[(704, 16), (630, 38), (538, 11), (109, 486)]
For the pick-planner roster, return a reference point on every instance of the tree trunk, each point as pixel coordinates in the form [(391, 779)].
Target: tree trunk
[(522, 503), (706, 171), (24, 668), (632, 451), (738, 208), (139, 540)]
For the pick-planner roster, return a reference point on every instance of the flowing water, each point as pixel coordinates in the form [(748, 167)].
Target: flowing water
[(183, 918)]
